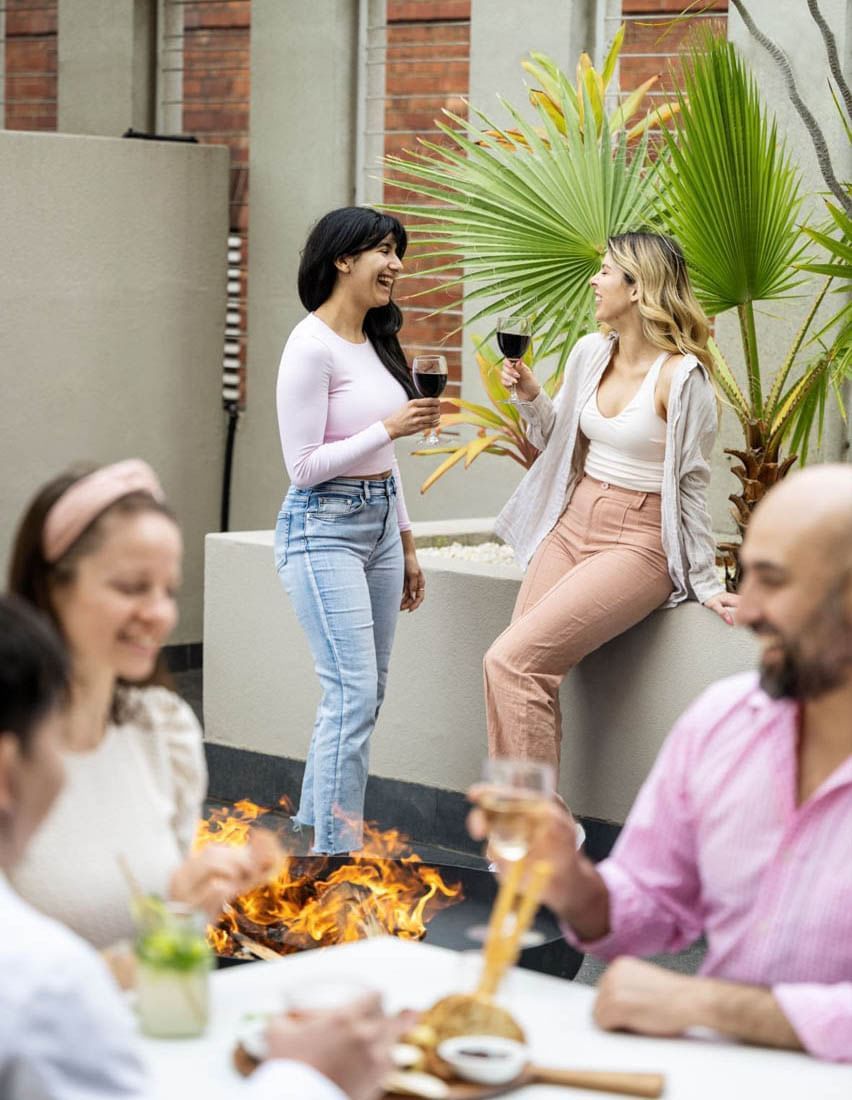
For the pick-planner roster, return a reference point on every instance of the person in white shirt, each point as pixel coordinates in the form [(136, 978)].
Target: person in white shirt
[(65, 1032)]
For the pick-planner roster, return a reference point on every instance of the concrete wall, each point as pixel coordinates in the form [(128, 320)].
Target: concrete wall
[(260, 690), (106, 55), (113, 290), (302, 164)]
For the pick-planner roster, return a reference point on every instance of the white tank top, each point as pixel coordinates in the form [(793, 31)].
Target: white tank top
[(628, 449)]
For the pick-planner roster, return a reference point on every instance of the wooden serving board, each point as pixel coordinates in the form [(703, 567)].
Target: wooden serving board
[(467, 1090), (649, 1085)]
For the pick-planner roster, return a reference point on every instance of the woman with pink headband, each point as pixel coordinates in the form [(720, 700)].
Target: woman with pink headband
[(101, 554)]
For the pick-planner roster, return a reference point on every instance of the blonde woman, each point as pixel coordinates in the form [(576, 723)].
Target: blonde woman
[(612, 518)]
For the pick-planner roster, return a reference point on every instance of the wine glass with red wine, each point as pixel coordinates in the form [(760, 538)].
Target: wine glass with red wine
[(513, 339), (430, 377)]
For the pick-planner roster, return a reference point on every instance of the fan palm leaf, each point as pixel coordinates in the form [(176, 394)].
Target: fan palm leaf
[(531, 227), (731, 194), (839, 262)]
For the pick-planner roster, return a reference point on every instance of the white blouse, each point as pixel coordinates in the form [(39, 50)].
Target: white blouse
[(628, 449), (139, 794)]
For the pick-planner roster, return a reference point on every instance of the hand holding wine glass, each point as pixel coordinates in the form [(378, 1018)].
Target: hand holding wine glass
[(513, 339), (513, 797), (517, 377), (429, 373)]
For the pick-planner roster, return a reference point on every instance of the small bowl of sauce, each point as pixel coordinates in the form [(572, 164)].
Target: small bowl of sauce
[(486, 1059)]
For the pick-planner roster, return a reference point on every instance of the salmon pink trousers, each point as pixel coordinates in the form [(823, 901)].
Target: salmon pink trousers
[(598, 572)]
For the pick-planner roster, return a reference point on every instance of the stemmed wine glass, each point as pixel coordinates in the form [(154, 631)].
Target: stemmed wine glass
[(513, 797), (513, 339), (514, 794), (429, 373)]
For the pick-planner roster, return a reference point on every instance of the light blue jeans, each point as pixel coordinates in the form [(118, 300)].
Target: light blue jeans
[(339, 556)]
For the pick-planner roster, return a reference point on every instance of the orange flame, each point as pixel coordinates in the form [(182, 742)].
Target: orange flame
[(222, 827), (384, 888)]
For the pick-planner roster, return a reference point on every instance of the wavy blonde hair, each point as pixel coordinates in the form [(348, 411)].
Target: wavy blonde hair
[(672, 319)]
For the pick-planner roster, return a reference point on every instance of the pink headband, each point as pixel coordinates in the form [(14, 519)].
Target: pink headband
[(91, 495)]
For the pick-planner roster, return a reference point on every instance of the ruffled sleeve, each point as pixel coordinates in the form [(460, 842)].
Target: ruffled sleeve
[(178, 743)]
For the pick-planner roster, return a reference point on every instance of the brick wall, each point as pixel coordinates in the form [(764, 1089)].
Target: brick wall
[(428, 48), (655, 38), (30, 63)]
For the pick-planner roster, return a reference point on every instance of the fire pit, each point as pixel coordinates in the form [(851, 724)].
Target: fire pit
[(452, 927), (317, 901)]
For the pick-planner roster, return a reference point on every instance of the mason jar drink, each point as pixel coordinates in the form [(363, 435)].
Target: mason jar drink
[(173, 968)]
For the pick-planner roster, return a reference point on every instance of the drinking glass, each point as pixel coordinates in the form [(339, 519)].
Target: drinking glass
[(429, 373), (173, 966), (513, 339), (514, 795)]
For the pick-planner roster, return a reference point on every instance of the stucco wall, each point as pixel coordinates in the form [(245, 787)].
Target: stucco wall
[(113, 291), (302, 164), (261, 692), (105, 68)]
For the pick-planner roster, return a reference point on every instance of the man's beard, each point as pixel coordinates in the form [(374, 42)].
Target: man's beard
[(819, 666), (795, 677)]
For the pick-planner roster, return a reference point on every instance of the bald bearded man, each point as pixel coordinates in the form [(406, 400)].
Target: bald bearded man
[(743, 830)]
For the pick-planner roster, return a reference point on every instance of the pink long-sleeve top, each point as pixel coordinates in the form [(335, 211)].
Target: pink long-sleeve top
[(716, 843), (332, 398)]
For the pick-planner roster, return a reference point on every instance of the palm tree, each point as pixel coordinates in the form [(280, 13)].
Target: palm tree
[(529, 209), (733, 198)]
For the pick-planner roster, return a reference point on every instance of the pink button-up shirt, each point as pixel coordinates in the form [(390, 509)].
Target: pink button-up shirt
[(717, 844)]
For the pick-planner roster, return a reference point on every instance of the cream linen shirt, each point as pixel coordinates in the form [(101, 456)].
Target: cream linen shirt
[(553, 426), (138, 794)]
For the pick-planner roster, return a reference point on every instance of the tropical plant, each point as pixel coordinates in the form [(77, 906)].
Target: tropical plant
[(733, 198), (837, 266), (531, 218), (556, 92), (531, 228)]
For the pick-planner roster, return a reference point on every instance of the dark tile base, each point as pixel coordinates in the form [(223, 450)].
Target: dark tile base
[(431, 817), (184, 656)]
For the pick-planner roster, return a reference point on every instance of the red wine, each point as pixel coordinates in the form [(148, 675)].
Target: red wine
[(429, 385), (513, 344)]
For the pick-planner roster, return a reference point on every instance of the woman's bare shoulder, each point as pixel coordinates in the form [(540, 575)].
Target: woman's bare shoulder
[(668, 371), (672, 365)]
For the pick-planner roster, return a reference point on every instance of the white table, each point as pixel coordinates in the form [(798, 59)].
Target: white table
[(555, 1014)]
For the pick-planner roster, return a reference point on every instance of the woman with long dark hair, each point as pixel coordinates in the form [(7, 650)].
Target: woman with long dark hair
[(343, 543)]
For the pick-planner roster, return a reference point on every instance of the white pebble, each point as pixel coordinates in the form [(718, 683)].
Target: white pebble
[(493, 552)]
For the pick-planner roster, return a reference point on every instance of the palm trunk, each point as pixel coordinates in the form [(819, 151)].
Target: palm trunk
[(748, 330), (760, 468)]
